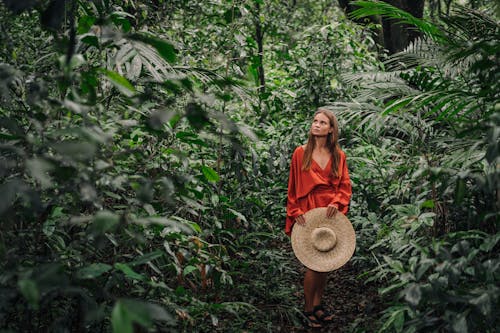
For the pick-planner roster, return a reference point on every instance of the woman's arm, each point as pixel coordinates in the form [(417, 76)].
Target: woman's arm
[(292, 208), (344, 191)]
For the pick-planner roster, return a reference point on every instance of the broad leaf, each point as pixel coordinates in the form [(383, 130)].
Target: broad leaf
[(209, 173), (92, 271)]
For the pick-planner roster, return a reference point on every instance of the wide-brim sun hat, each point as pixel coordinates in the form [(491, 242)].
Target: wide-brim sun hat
[(323, 244)]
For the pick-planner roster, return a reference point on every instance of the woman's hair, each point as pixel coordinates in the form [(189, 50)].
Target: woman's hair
[(332, 142)]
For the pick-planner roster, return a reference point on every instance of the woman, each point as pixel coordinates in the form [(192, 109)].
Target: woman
[(318, 178)]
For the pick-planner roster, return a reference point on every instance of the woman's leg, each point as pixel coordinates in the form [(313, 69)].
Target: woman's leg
[(320, 280), (310, 285), (314, 288), (309, 290)]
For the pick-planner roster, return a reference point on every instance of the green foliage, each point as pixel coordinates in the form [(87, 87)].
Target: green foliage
[(374, 7), (131, 175), (93, 172), (321, 55), (143, 170), (425, 170)]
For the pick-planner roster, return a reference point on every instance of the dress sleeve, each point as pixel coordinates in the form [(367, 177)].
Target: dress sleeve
[(344, 191), (292, 207)]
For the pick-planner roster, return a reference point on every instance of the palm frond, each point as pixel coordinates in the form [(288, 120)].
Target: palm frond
[(420, 52), (216, 80), (360, 78), (466, 24), (369, 117), (374, 7), (424, 77), (134, 57)]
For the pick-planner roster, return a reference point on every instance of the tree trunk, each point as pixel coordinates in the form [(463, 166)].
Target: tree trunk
[(415, 8), (346, 6), (397, 36), (434, 7), (448, 6)]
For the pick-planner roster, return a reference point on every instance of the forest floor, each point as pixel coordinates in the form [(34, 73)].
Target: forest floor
[(355, 303)]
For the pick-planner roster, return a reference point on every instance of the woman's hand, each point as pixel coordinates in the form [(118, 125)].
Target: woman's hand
[(331, 211), (300, 220)]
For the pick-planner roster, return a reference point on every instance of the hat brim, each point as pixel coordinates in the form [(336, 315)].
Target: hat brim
[(323, 261)]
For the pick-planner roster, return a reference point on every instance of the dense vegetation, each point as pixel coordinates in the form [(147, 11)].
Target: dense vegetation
[(145, 152)]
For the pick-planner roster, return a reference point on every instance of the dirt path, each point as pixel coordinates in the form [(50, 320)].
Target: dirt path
[(355, 304)]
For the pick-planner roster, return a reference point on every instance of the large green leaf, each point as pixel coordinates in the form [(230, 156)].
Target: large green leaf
[(129, 272), (39, 169), (120, 82), (145, 258), (413, 294), (189, 269), (104, 221), (76, 150), (126, 312), (30, 291), (92, 271), (166, 50), (374, 7), (209, 173), (9, 191)]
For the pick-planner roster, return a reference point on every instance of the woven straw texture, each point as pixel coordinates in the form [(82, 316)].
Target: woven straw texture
[(317, 260)]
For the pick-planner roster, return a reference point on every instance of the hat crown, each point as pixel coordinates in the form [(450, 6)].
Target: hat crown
[(323, 244), (323, 239)]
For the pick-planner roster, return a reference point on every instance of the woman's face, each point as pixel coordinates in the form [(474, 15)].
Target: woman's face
[(321, 125)]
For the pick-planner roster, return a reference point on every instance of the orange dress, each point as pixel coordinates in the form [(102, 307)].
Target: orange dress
[(316, 187)]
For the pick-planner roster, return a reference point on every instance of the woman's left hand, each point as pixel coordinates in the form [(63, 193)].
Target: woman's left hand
[(331, 211)]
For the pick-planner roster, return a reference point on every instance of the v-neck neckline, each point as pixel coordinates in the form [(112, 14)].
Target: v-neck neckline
[(326, 166), (319, 166)]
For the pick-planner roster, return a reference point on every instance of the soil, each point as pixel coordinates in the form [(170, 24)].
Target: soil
[(355, 303)]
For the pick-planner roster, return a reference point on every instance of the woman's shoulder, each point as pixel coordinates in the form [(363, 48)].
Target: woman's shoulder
[(342, 154), (299, 151)]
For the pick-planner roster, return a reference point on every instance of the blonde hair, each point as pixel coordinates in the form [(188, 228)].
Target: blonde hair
[(332, 143)]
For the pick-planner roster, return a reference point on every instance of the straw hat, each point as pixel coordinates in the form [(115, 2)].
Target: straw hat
[(323, 244)]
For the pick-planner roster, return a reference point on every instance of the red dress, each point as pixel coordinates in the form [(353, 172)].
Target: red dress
[(315, 187)]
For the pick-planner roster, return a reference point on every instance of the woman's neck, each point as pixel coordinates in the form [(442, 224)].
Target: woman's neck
[(320, 142)]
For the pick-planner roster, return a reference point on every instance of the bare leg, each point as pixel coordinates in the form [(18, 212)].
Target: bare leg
[(320, 287), (314, 288), (310, 286), (309, 290)]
